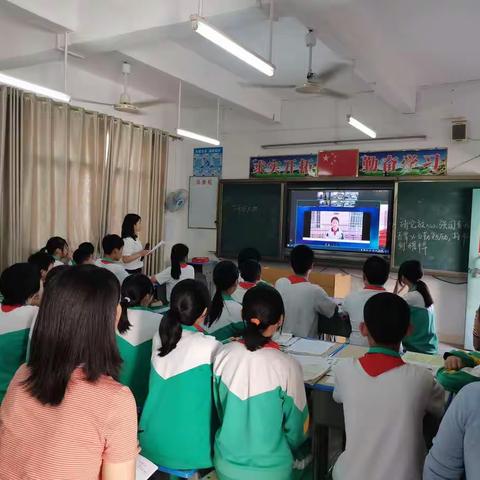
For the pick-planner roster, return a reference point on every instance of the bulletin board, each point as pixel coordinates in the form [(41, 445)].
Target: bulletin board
[(202, 205)]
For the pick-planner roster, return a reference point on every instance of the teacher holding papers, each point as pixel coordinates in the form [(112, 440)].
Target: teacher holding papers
[(133, 251)]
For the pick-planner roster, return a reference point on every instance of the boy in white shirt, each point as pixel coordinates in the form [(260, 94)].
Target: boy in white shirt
[(112, 254), (303, 300), (375, 275), (384, 400), (251, 273)]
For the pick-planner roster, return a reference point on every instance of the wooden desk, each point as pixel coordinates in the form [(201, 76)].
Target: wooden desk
[(337, 285)]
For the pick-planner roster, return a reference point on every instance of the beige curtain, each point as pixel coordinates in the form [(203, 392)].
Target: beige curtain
[(69, 172), (137, 161)]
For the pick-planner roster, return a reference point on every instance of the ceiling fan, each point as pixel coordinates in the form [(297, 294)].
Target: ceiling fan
[(315, 82), (124, 103)]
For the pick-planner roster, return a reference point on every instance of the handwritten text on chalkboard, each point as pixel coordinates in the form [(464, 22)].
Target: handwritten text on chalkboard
[(245, 209), (416, 236)]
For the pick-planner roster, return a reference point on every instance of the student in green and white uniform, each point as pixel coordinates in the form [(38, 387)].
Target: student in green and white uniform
[(461, 368), (260, 397), (423, 338), (136, 329), (225, 317), (58, 248), (21, 290), (177, 423)]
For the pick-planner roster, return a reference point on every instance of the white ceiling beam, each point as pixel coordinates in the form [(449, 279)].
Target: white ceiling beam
[(191, 68), (354, 32)]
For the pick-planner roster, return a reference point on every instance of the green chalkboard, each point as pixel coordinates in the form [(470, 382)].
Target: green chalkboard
[(433, 224), (250, 217)]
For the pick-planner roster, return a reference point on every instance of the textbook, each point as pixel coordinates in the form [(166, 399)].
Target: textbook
[(314, 368), (304, 346)]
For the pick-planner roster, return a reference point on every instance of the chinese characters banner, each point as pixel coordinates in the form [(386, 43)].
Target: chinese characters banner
[(404, 162), (335, 162)]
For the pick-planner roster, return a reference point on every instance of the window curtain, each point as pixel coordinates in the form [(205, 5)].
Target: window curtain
[(74, 173)]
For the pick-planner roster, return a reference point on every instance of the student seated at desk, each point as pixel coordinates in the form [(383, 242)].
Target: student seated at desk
[(178, 270), (177, 422), (112, 254), (224, 319), (423, 338), (250, 274), (20, 288), (58, 248), (250, 253), (461, 368), (260, 397), (83, 257), (65, 416), (375, 275), (303, 300), (43, 261), (454, 455), (136, 329), (384, 400)]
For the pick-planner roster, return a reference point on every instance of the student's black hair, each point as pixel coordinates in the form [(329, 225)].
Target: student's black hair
[(225, 274), (335, 218), (412, 270), (42, 260), (110, 243), (265, 304), (387, 317), (19, 282), (250, 270), (188, 301), (80, 256), (54, 272), (134, 289), (129, 222), (376, 270), (301, 259), (248, 253), (178, 255), (55, 243), (75, 327), (87, 247)]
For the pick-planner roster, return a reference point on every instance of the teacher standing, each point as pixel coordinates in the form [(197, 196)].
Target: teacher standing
[(133, 251)]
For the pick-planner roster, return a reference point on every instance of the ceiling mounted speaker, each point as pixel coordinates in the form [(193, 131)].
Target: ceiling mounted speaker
[(459, 131)]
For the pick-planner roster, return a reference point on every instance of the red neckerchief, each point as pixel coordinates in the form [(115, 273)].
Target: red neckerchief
[(375, 364), (246, 285), (183, 265), (374, 287), (269, 344), (107, 262), (297, 279), (199, 328), (9, 308)]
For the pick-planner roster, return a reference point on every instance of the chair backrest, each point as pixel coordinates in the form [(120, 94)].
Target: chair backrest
[(338, 325), (424, 336)]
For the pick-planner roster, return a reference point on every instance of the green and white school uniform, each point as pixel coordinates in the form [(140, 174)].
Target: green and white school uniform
[(424, 335), (15, 324), (261, 403), (230, 323), (135, 346), (177, 423)]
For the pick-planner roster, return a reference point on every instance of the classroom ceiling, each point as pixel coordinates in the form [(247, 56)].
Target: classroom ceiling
[(392, 47)]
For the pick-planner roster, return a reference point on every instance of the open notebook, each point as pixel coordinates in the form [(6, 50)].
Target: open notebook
[(314, 367)]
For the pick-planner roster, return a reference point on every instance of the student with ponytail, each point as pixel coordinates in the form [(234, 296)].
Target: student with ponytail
[(254, 380), (225, 317), (136, 329), (58, 248), (422, 315), (178, 270), (177, 423)]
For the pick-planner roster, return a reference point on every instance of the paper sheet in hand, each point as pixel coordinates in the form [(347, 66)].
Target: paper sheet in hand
[(313, 368), (158, 245), (309, 347), (145, 468)]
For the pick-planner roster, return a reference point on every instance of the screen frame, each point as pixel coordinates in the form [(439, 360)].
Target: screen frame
[(347, 256)]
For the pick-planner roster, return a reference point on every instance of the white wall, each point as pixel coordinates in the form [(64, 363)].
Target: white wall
[(316, 118)]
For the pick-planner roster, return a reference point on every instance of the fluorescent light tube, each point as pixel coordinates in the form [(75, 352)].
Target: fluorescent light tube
[(200, 26), (32, 87), (360, 126), (197, 136)]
